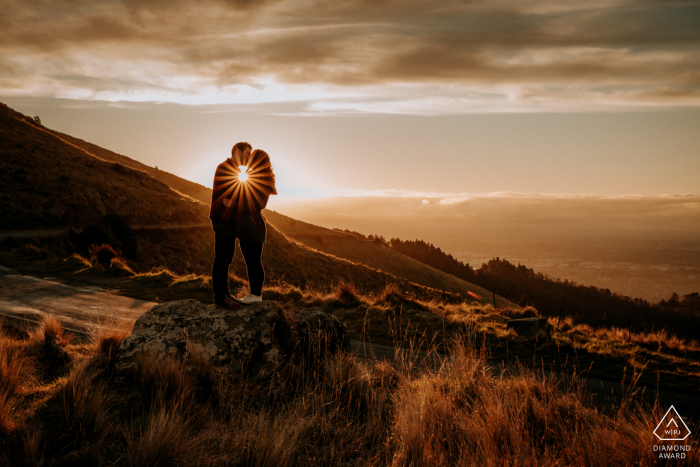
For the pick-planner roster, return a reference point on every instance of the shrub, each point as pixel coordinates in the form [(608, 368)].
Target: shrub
[(112, 230), (31, 444), (346, 293), (104, 254)]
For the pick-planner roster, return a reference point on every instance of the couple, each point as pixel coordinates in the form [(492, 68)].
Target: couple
[(242, 185)]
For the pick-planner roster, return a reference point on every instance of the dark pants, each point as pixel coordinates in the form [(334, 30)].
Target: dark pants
[(224, 249)]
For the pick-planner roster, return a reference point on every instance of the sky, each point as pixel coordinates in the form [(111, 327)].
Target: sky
[(421, 99)]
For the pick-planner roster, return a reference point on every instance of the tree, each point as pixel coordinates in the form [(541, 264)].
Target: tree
[(37, 120)]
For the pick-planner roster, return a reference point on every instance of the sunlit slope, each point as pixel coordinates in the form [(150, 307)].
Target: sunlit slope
[(51, 180), (47, 182), (195, 190), (373, 254), (298, 264)]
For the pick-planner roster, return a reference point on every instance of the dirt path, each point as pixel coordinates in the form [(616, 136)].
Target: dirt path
[(26, 298), (29, 297)]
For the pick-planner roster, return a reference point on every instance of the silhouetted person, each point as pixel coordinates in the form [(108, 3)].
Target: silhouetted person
[(238, 197)]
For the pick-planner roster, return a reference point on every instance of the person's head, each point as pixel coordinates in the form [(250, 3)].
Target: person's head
[(240, 153), (260, 169)]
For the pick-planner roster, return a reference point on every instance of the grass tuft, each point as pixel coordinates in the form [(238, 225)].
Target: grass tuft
[(347, 293), (164, 438), (161, 379), (50, 329), (84, 398)]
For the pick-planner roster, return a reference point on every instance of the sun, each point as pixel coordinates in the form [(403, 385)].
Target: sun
[(243, 175)]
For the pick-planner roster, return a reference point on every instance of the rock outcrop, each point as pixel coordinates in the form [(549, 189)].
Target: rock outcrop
[(226, 337), (258, 334)]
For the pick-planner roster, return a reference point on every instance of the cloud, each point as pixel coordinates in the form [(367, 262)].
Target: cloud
[(412, 56)]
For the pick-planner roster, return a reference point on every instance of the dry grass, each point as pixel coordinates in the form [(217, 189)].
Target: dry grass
[(658, 340), (85, 397), (105, 337), (460, 415), (32, 449), (392, 295), (164, 437), (119, 264), (419, 410), (49, 329), (162, 379), (16, 368), (7, 411), (347, 293)]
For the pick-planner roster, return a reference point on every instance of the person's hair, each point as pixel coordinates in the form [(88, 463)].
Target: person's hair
[(242, 146), (261, 166)]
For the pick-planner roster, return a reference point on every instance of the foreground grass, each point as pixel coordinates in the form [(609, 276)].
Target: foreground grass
[(390, 315), (444, 410)]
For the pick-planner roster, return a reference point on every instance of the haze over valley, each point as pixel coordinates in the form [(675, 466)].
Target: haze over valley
[(639, 246)]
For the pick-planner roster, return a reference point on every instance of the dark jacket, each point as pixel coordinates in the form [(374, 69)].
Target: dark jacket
[(239, 203)]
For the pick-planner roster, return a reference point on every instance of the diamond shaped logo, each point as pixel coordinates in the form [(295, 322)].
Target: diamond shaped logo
[(672, 427)]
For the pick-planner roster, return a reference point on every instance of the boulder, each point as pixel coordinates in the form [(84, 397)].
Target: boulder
[(529, 327), (227, 337), (258, 334)]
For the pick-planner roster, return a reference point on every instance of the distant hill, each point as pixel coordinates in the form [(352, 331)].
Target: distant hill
[(373, 254), (51, 180)]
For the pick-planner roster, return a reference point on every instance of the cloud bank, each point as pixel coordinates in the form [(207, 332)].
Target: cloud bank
[(510, 217), (409, 56)]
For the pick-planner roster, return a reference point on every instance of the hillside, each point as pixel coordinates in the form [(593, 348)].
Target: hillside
[(85, 183), (50, 180), (373, 254), (195, 190), (46, 182)]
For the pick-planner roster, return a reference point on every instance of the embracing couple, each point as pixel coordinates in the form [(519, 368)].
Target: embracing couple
[(242, 185)]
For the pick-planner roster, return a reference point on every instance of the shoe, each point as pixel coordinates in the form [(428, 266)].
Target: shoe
[(229, 304), (250, 298)]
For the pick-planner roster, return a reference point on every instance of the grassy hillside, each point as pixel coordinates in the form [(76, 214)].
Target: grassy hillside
[(52, 180), (46, 182), (194, 190), (374, 254)]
